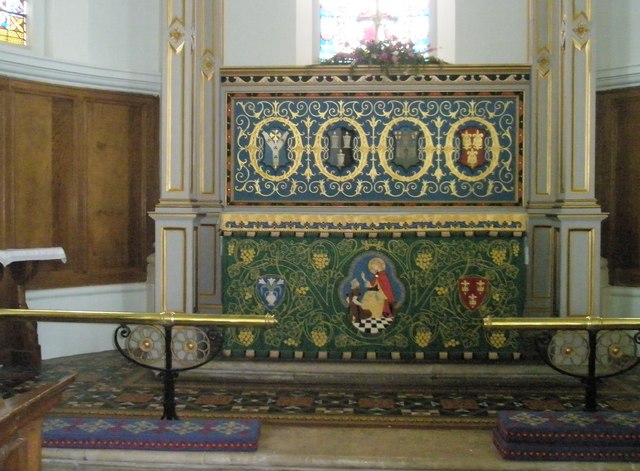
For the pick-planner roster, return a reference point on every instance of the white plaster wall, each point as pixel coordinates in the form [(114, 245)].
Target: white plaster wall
[(616, 53), (264, 32), (486, 32), (260, 33), (102, 44), (620, 301), (116, 34), (58, 339)]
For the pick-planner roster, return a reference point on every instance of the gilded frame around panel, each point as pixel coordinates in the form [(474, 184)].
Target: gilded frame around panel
[(493, 94), (181, 231), (590, 233)]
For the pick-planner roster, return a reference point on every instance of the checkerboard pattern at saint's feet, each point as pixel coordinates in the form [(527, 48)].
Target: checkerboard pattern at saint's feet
[(372, 326)]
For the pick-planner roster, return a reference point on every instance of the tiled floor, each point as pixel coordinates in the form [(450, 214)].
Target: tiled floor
[(417, 395), (446, 423)]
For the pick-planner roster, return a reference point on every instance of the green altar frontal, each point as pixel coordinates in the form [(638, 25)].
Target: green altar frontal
[(354, 287)]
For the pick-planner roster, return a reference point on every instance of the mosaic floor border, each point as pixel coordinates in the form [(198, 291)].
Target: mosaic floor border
[(107, 385)]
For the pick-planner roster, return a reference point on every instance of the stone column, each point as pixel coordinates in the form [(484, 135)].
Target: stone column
[(190, 199), (564, 224)]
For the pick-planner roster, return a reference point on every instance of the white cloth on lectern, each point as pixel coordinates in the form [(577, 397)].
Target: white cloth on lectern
[(8, 256)]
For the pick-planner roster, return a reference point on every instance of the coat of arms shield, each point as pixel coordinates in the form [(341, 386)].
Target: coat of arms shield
[(473, 291), (271, 290), (472, 152)]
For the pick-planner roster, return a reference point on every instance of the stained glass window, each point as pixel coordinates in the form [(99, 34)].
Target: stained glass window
[(13, 20), (345, 24)]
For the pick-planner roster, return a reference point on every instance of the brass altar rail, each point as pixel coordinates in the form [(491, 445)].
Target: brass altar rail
[(205, 347), (561, 323), (592, 325), (157, 318)]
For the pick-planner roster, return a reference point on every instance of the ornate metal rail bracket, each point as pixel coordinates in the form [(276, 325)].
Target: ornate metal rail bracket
[(611, 351), (601, 346), (168, 350), (167, 342)]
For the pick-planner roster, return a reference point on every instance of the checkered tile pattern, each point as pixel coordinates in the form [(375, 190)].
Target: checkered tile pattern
[(372, 326)]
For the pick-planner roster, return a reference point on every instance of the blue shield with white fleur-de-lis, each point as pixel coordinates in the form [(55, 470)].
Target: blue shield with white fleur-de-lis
[(271, 290)]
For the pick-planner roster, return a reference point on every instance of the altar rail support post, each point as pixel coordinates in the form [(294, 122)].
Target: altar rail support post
[(619, 356), (146, 345)]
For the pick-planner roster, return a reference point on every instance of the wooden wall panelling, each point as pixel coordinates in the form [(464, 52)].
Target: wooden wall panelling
[(80, 171), (617, 177), (116, 213), (43, 190)]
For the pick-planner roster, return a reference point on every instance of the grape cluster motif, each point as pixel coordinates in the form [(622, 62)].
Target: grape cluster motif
[(246, 337), (497, 339), (320, 260), (247, 255), (424, 260), (319, 337), (423, 337), (499, 256)]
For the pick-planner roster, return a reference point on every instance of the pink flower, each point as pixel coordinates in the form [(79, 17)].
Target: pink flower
[(389, 51)]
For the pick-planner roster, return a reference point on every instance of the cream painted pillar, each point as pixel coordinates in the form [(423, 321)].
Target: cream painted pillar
[(544, 156), (565, 218), (190, 200)]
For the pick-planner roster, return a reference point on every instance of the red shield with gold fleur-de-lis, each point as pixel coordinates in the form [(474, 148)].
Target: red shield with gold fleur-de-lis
[(472, 151), (473, 291)]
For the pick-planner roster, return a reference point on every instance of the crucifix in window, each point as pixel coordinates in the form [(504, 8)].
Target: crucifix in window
[(378, 19), (344, 25)]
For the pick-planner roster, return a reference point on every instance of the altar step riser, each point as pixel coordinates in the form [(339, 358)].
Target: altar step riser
[(358, 372)]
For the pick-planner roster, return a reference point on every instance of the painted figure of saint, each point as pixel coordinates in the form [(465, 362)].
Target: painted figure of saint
[(356, 311), (379, 297)]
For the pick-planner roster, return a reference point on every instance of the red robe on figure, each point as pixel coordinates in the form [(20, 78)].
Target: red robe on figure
[(383, 284)]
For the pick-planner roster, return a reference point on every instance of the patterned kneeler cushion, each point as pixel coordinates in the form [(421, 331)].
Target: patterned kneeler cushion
[(568, 436), (145, 434)]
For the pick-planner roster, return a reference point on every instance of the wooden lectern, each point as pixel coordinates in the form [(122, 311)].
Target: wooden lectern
[(19, 340)]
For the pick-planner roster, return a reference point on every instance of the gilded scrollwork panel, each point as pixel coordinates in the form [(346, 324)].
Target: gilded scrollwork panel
[(375, 148)]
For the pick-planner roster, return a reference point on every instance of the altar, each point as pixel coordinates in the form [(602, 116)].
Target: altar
[(378, 214)]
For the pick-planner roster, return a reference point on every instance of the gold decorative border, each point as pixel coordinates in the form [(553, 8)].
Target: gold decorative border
[(395, 223), (313, 75)]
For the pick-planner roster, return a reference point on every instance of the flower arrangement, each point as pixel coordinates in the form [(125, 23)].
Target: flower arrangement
[(386, 53)]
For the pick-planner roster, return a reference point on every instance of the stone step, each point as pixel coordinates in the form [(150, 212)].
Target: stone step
[(361, 372)]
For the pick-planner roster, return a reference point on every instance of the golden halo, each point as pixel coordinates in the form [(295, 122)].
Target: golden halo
[(376, 262)]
